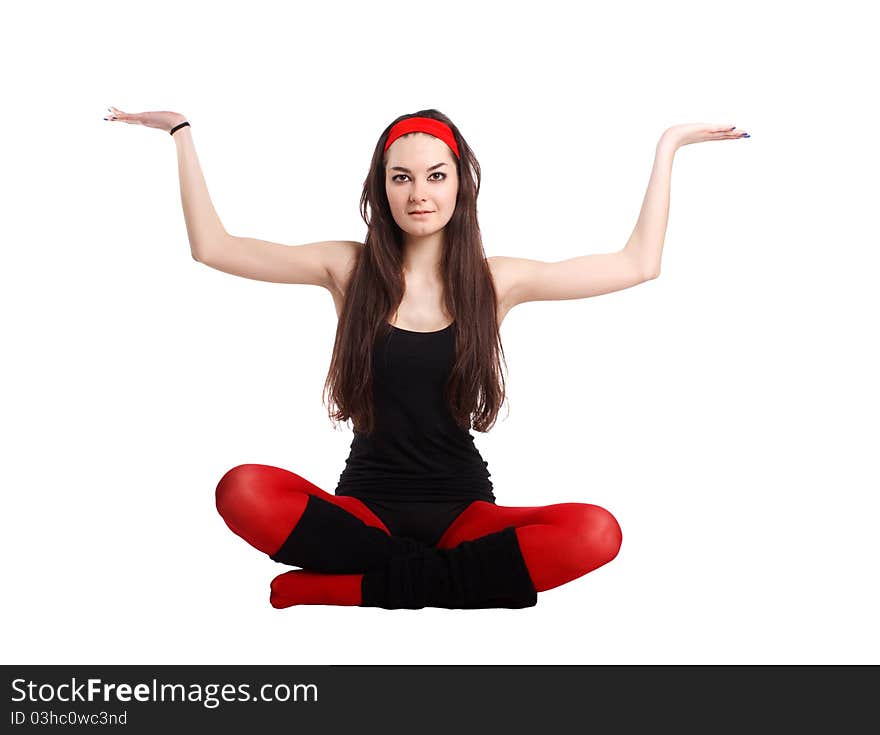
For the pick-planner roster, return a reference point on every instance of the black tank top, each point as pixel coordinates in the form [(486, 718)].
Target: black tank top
[(417, 452)]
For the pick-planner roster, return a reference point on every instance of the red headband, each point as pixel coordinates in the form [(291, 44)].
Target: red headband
[(423, 125)]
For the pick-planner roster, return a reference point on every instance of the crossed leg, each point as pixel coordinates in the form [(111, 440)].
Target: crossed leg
[(559, 542), (263, 504)]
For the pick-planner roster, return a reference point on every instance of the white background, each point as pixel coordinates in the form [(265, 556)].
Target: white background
[(726, 412)]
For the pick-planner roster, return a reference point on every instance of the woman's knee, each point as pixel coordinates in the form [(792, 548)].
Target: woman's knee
[(261, 503), (234, 487), (255, 488), (600, 533)]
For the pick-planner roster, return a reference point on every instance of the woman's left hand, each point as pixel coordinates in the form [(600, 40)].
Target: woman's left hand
[(679, 135)]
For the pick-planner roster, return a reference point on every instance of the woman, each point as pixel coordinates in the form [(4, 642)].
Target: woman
[(416, 364)]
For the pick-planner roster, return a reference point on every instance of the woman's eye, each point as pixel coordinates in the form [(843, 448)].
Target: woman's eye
[(436, 173)]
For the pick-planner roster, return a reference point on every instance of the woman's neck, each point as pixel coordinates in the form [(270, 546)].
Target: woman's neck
[(422, 257)]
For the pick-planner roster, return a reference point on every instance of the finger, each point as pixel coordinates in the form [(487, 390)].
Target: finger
[(133, 118), (735, 132)]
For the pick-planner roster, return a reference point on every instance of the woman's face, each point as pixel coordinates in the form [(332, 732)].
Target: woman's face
[(421, 175)]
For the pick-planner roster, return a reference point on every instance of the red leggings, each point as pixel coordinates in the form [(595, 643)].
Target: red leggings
[(559, 542)]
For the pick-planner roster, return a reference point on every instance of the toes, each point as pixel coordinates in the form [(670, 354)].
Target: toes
[(277, 596)]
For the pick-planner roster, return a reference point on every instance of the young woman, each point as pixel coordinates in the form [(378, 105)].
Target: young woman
[(416, 364)]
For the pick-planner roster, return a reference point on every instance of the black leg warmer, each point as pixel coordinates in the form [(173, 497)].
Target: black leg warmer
[(329, 539), (486, 572)]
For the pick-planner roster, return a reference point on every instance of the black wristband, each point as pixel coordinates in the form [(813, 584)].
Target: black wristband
[(178, 127)]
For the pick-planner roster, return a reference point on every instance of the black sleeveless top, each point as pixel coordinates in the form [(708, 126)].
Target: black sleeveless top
[(417, 452)]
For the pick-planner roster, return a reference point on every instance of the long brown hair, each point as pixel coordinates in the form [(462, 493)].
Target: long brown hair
[(474, 391)]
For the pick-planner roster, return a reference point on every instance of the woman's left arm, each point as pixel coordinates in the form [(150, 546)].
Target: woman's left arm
[(519, 280), (646, 242)]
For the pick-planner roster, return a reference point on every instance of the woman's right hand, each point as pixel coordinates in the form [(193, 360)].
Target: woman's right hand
[(162, 120)]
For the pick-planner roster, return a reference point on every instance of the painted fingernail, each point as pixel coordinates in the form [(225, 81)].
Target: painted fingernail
[(747, 136)]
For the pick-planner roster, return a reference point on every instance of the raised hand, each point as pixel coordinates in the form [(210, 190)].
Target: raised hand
[(163, 120), (679, 135)]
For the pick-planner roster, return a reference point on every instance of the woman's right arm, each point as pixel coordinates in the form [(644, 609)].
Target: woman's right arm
[(324, 263)]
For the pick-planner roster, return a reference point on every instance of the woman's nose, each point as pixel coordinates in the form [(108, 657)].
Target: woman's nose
[(416, 195)]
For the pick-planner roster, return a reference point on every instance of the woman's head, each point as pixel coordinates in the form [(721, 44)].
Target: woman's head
[(421, 174), (444, 179), (390, 194)]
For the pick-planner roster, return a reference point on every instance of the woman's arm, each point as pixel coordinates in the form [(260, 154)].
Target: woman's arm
[(646, 242), (202, 223), (327, 263), (519, 280), (320, 263), (203, 226)]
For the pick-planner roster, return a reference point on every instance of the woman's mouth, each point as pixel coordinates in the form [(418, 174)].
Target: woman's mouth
[(420, 214)]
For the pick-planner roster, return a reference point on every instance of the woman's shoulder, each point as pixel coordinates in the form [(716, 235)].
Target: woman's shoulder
[(341, 260), (500, 268), (343, 255)]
